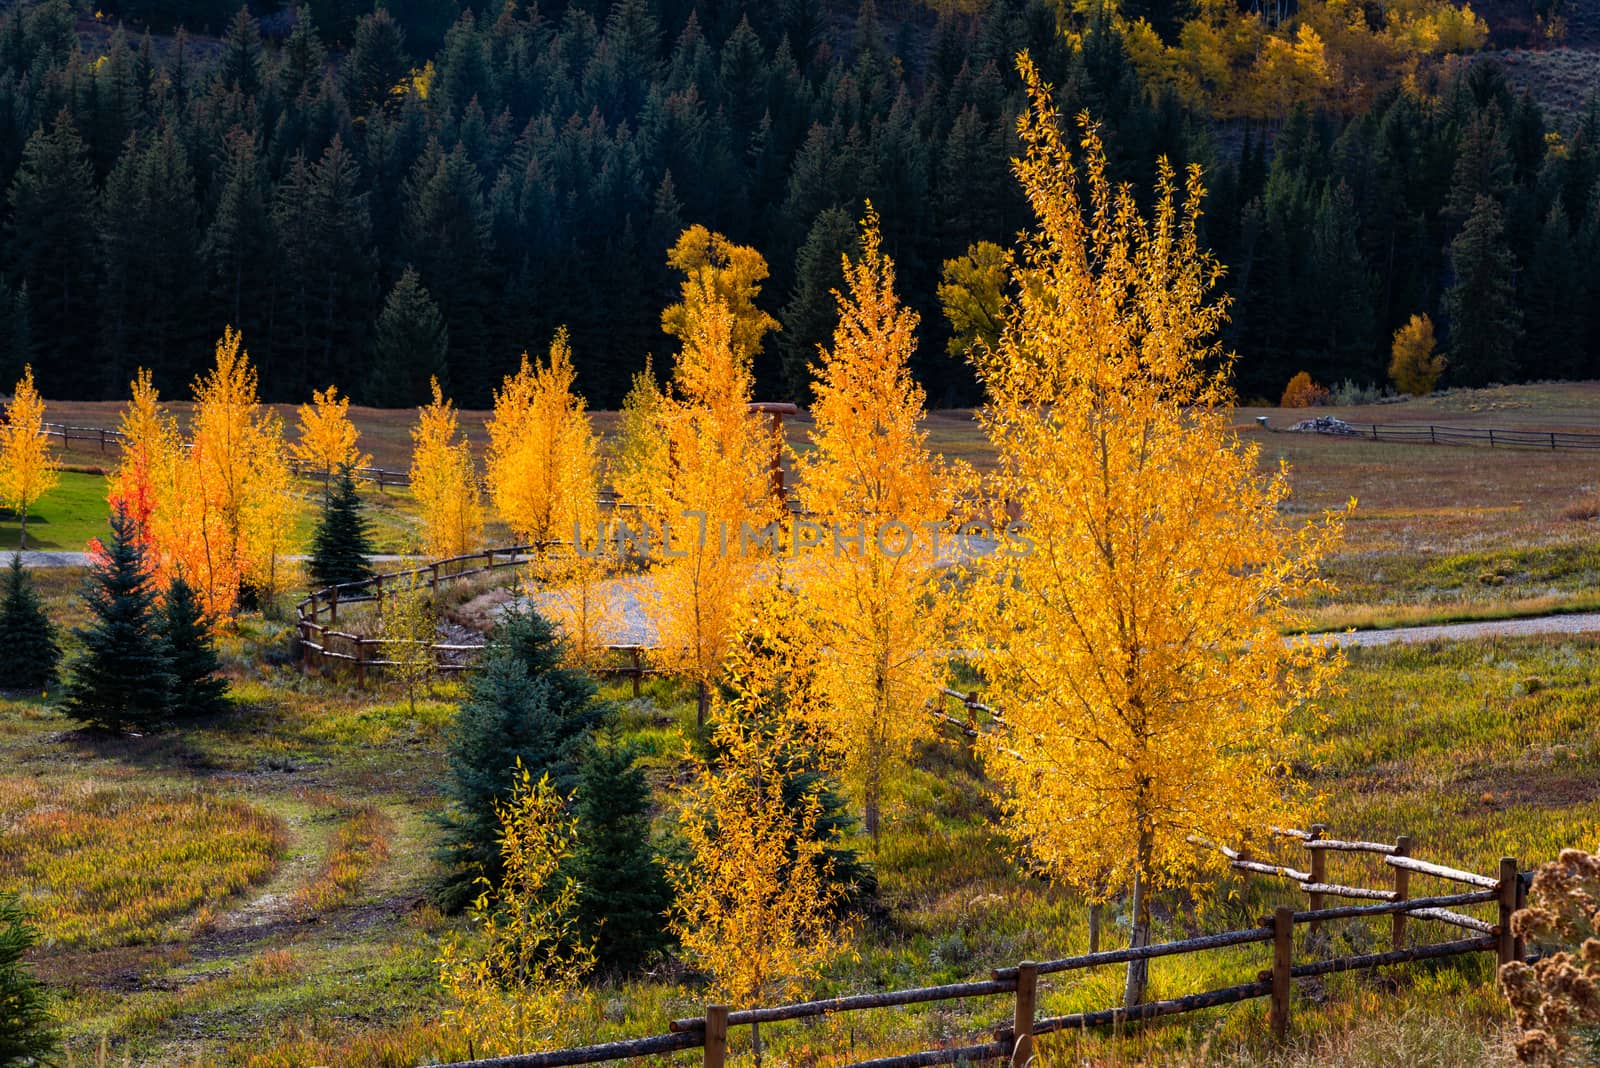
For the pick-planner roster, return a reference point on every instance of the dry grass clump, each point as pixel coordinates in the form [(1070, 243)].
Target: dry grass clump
[(113, 865), (359, 846)]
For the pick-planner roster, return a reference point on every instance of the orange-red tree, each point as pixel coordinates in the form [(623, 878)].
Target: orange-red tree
[(1131, 632), (872, 484)]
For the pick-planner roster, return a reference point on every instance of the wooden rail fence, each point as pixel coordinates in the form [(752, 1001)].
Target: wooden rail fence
[(326, 644), (1493, 437), (1013, 1040)]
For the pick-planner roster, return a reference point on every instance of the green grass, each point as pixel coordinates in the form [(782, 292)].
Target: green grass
[(65, 519)]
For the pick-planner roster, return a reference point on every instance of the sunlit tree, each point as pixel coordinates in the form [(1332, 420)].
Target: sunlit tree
[(27, 464), (1131, 631), (444, 481), (716, 269), (328, 439), (872, 484), (542, 463)]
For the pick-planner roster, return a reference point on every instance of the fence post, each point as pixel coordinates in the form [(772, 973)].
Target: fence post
[(638, 669), (1402, 889), (1282, 961), (1433, 437), (1519, 948), (1022, 1029), (361, 663), (716, 1035), (1319, 868), (1491, 437), (1506, 948), (333, 605), (434, 585), (1552, 441), (1374, 431)]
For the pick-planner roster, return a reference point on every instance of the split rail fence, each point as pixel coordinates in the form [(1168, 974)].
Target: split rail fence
[(1013, 1040), (1493, 437), (325, 643)]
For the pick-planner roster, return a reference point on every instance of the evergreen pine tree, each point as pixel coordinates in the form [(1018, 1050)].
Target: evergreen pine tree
[(1552, 304), (197, 687), (811, 314), (625, 897), (376, 62), (342, 543), (1485, 322), (412, 346), (521, 703), (26, 634), (27, 1032), (121, 680)]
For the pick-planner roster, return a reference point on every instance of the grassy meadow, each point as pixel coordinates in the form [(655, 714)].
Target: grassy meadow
[(251, 891)]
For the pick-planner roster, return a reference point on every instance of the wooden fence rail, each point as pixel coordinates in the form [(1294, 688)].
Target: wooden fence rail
[(1493, 437), (325, 644), (1013, 1040)]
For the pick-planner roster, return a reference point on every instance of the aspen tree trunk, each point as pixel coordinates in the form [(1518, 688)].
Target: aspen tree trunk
[(1139, 970), (23, 546), (1095, 911), (702, 703)]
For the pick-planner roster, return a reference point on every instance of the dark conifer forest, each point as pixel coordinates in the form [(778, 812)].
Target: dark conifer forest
[(375, 195)]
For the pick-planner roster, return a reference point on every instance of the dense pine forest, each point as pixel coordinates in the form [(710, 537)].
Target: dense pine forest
[(374, 196)]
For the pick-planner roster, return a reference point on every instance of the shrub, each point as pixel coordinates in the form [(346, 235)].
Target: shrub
[(1302, 392), (1348, 394), (1557, 996), (1413, 365), (26, 634)]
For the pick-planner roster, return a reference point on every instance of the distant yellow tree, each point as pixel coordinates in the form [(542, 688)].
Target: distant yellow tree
[(717, 269), (27, 464), (717, 494), (640, 465), (513, 979), (872, 483), (972, 293), (1413, 365), (755, 906), (444, 482), (143, 475), (543, 456), (327, 439), (1131, 631)]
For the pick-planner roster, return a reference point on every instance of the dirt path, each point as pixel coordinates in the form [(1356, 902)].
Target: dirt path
[(1573, 623)]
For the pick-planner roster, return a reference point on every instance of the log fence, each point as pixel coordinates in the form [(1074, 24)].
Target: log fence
[(1431, 434), (1012, 1040), (326, 644)]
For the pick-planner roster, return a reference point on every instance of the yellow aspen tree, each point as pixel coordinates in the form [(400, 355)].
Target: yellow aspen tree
[(717, 500), (640, 465), (444, 482), (1131, 630), (881, 496), (327, 438), (141, 480), (231, 502), (543, 456), (716, 268), (27, 463), (512, 981), (756, 908), (1413, 365), (408, 628)]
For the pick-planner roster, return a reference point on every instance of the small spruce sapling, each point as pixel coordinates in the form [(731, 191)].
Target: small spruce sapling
[(522, 705), (198, 689), (342, 543), (122, 679), (32, 652), (27, 1033), (624, 900)]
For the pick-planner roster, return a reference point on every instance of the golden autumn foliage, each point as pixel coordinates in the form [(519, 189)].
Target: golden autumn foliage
[(756, 908), (972, 294), (872, 484), (409, 627), (1131, 630), (327, 438), (444, 481), (1413, 365), (217, 507), (717, 269), (27, 463), (543, 460), (640, 464), (1303, 392), (716, 495), (511, 980)]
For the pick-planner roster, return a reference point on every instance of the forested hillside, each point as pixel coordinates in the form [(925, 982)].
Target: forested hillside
[(373, 196)]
